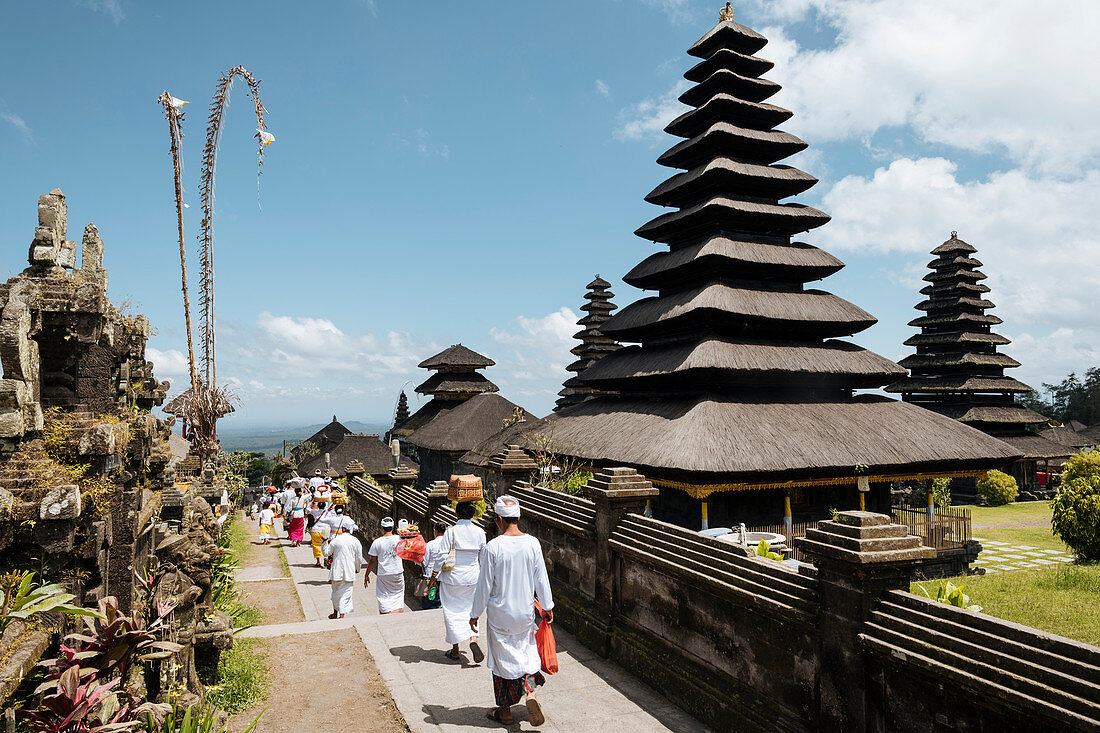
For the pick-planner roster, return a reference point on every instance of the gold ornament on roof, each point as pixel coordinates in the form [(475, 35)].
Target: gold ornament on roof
[(726, 13)]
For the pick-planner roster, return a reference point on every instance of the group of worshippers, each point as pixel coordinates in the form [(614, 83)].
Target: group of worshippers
[(315, 505), (486, 589)]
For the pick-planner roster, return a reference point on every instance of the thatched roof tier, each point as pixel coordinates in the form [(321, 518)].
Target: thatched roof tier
[(369, 450), (937, 276), (726, 175), (724, 138), (959, 384), (725, 107), (594, 344), (728, 35), (954, 245), (959, 301), (761, 441), (483, 452), (721, 214), (725, 58), (733, 258), (1001, 414), (961, 319), (949, 288), (457, 356), (448, 382), (731, 364), (730, 309), (467, 424), (1065, 436), (963, 339), (928, 361), (1036, 447), (428, 412), (1091, 434), (178, 406), (728, 81)]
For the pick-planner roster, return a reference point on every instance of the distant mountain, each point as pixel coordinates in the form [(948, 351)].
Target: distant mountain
[(270, 440)]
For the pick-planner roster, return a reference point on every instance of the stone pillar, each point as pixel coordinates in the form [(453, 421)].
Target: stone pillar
[(616, 493), (354, 469), (509, 466), (859, 558), (437, 497)]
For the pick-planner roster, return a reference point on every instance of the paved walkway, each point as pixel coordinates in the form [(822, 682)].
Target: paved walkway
[(998, 556), (436, 694)]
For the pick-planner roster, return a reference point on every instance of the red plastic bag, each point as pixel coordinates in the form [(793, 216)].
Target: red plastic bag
[(544, 639), (412, 548)]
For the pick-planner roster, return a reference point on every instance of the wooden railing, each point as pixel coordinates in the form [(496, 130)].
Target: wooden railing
[(798, 529), (949, 528)]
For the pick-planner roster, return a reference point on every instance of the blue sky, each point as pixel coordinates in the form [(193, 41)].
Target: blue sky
[(453, 172)]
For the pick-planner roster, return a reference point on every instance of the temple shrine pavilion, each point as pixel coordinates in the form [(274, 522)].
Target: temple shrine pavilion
[(957, 369), (456, 378), (738, 390), (593, 346)]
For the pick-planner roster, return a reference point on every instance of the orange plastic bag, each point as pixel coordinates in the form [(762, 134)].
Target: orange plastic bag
[(412, 548), (544, 639)]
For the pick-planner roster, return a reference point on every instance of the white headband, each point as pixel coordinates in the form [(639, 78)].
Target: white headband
[(387, 522), (506, 506)]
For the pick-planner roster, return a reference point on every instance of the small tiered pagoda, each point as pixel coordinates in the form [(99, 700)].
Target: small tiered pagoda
[(957, 369), (456, 379), (739, 390), (594, 345)]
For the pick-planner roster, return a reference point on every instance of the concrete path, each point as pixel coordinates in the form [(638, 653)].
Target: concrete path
[(437, 694)]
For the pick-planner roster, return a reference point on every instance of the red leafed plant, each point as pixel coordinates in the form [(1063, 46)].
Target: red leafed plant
[(79, 703)]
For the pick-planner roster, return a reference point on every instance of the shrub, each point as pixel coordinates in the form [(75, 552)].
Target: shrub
[(1076, 506), (997, 487), (951, 594)]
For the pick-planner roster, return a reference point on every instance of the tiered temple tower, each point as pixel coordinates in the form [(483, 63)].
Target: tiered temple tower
[(402, 412), (456, 379), (957, 369), (738, 383), (594, 344)]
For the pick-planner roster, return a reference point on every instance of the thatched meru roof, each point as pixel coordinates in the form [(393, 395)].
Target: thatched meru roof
[(736, 374), (401, 414), (957, 370), (1064, 436), (367, 449), (327, 437), (428, 412), (513, 434), (1036, 447), (594, 345), (456, 384), (457, 356), (463, 427)]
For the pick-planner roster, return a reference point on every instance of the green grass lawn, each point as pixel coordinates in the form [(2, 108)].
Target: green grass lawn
[(1027, 523), (1062, 599)]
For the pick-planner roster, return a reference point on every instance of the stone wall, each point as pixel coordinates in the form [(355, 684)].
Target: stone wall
[(748, 644)]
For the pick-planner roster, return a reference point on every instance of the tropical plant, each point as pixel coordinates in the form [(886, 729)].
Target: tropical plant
[(24, 600), (1075, 515), (113, 642), (765, 550), (940, 489), (192, 719), (80, 703), (554, 469), (997, 487), (950, 594)]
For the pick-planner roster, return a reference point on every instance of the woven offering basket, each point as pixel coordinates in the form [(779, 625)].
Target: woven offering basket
[(465, 487)]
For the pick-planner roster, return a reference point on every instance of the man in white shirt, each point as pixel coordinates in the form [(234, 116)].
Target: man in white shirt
[(457, 582), (390, 589), (347, 557), (513, 573), (432, 564), (316, 480)]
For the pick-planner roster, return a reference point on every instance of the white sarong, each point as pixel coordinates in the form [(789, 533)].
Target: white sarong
[(457, 601), (511, 656), (390, 591), (341, 595)]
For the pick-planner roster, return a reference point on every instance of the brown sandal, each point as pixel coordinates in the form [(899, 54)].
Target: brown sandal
[(535, 716)]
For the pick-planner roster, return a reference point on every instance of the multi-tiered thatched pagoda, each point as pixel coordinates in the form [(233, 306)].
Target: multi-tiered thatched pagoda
[(739, 387), (958, 370), (594, 345), (456, 379)]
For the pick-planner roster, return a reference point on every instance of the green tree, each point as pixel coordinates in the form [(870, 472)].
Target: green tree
[(1076, 506)]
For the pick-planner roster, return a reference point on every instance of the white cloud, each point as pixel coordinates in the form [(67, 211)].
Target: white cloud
[(1038, 247), (647, 119), (602, 88), (18, 123), (111, 8), (538, 347), (171, 365), (990, 76), (422, 141)]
